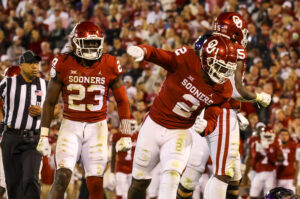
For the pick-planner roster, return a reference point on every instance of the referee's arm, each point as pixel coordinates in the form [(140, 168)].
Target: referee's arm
[(52, 95), (3, 88)]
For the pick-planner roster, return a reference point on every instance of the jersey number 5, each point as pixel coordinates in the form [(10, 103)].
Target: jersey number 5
[(81, 95)]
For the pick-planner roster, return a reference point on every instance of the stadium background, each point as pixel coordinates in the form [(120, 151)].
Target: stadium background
[(273, 64)]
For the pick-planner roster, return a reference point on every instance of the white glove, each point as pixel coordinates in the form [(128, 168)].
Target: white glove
[(243, 121), (200, 123), (128, 126), (263, 98), (136, 52), (123, 144), (43, 146)]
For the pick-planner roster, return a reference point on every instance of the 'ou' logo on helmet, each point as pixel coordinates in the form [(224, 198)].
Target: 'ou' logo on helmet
[(211, 46), (238, 22)]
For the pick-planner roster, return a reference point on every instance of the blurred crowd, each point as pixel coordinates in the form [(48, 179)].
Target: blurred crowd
[(273, 63)]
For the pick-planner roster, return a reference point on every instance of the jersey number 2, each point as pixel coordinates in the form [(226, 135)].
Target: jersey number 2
[(81, 95), (184, 110)]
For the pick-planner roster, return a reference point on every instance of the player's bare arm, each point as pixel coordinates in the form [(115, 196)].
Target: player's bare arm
[(243, 91), (52, 95)]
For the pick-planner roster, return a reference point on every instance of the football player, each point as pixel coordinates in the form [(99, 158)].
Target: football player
[(267, 151), (286, 169), (224, 142), (250, 154), (83, 76), (122, 163), (192, 84)]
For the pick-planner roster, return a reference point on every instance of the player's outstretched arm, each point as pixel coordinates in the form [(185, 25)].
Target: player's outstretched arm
[(160, 57), (241, 93)]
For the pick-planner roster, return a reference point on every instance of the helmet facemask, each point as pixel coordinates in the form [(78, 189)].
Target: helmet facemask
[(267, 138), (218, 70), (90, 47)]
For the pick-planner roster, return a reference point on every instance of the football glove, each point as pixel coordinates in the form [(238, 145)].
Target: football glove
[(136, 52), (263, 98), (43, 146), (200, 123), (243, 122), (128, 126), (123, 144)]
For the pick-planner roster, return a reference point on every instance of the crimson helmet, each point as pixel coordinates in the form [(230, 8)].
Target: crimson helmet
[(218, 57), (12, 71), (87, 40), (232, 26)]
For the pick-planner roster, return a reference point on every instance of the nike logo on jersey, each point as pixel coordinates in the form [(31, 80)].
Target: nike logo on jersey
[(191, 78), (198, 94)]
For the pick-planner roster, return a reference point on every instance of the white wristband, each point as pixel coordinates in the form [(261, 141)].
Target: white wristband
[(45, 131)]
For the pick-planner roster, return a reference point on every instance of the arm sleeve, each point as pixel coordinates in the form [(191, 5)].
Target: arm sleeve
[(122, 102), (163, 58), (211, 116), (298, 153), (116, 67)]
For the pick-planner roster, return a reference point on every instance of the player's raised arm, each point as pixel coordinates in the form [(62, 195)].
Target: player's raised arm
[(160, 57), (240, 92)]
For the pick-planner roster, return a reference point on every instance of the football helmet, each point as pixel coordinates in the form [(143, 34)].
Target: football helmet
[(200, 41), (218, 58), (267, 137), (12, 71), (87, 40), (232, 26), (281, 193)]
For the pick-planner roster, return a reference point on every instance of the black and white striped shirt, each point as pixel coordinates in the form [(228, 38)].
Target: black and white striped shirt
[(18, 95)]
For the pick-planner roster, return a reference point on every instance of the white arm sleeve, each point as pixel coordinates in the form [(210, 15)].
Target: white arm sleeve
[(298, 154)]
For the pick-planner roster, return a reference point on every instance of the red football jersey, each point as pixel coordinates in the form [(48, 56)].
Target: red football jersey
[(184, 93), (267, 161), (85, 89), (251, 142), (241, 56), (286, 169), (124, 160)]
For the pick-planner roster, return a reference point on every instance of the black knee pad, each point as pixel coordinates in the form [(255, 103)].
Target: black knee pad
[(140, 184), (232, 192), (183, 193), (62, 177)]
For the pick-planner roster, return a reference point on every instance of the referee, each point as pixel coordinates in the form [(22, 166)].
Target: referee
[(23, 96)]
